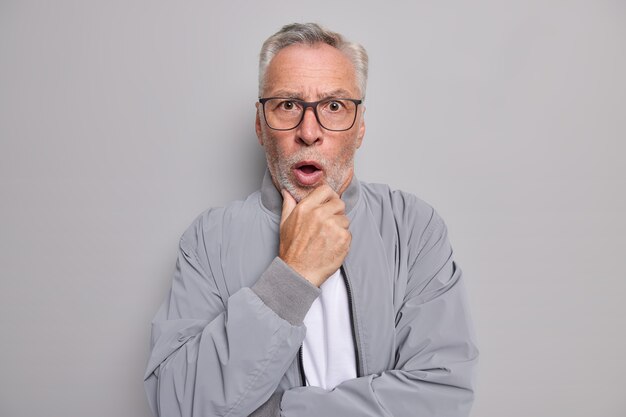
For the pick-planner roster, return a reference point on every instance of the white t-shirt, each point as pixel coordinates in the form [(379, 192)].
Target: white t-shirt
[(328, 350)]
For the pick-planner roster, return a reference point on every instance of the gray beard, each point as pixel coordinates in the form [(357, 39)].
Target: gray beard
[(280, 170)]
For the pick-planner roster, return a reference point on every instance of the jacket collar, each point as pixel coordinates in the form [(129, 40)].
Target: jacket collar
[(273, 201)]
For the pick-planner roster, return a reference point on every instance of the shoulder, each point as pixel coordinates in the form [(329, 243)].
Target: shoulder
[(405, 207), (212, 223), (413, 220)]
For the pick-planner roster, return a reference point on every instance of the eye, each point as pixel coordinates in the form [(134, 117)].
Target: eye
[(334, 106), (287, 105)]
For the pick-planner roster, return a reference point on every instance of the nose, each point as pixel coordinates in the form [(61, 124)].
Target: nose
[(309, 130)]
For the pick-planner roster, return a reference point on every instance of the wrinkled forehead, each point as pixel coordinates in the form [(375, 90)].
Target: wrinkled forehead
[(310, 72)]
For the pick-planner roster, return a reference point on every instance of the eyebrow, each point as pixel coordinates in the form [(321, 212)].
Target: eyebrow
[(285, 94), (337, 93)]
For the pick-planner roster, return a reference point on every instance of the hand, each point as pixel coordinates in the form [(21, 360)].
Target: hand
[(314, 235)]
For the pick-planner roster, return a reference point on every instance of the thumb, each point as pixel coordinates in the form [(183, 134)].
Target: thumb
[(289, 203)]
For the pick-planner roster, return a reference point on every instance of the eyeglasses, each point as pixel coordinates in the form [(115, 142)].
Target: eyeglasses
[(336, 114)]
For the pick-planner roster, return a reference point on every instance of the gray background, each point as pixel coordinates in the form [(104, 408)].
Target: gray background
[(120, 121)]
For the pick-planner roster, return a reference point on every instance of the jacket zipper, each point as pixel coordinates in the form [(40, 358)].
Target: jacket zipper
[(301, 368), (355, 336)]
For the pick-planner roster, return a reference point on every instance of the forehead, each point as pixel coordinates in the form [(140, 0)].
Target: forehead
[(310, 72)]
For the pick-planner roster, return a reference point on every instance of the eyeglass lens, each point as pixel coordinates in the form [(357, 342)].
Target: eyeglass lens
[(332, 114)]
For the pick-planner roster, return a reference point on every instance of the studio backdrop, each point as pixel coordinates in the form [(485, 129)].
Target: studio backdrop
[(121, 121)]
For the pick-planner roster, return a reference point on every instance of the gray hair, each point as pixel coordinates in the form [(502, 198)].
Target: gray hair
[(310, 34)]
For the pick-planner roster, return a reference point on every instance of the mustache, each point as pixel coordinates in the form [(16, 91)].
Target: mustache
[(304, 155)]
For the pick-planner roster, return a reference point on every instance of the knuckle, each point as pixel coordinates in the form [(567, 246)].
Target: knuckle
[(345, 237), (324, 189), (345, 222), (329, 190), (316, 214)]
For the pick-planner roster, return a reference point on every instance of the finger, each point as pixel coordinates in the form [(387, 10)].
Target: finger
[(319, 196), (334, 206), (342, 221), (289, 203), (331, 208)]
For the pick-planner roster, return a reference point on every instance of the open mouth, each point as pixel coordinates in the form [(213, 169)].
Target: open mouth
[(308, 172), (308, 167)]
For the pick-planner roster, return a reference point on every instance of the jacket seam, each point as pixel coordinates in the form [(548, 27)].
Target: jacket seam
[(184, 246), (253, 380), (207, 274), (430, 230)]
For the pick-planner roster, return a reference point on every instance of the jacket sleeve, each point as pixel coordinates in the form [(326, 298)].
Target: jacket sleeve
[(435, 356), (215, 357)]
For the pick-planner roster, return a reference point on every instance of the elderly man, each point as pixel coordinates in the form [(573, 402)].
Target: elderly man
[(318, 295)]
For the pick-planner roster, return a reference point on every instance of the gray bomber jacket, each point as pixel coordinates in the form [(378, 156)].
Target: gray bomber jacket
[(225, 341)]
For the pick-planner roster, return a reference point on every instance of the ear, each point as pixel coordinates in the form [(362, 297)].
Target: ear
[(257, 124), (361, 133)]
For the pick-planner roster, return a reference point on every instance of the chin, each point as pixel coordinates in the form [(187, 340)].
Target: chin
[(298, 193)]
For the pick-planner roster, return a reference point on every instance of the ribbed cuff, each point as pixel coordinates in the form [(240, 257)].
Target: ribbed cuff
[(271, 408), (286, 292)]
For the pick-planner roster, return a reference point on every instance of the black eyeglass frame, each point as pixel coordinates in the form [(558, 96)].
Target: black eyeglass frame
[(313, 105)]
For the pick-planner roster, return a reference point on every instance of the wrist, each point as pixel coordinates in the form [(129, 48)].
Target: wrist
[(314, 277)]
